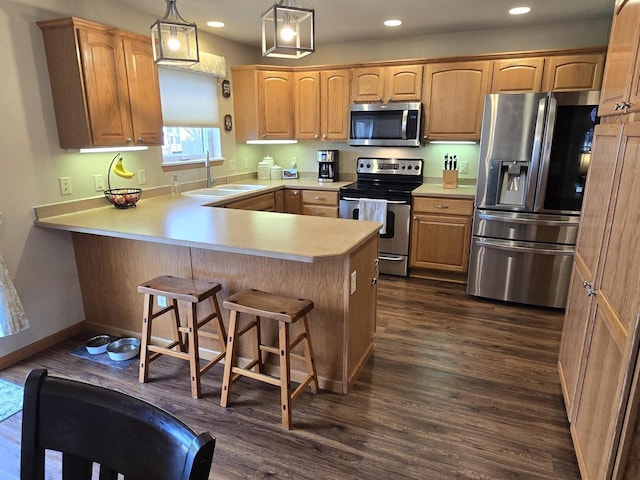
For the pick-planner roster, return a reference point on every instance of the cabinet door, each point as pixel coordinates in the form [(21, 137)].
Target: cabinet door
[(144, 91), (403, 83), (517, 75), (265, 202), (453, 96), (614, 342), (293, 201), (105, 83), (367, 84), (440, 242), (622, 55), (275, 106), (334, 104), (573, 72), (575, 341), (278, 200), (306, 101)]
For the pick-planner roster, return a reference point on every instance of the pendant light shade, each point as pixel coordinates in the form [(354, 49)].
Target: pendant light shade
[(288, 31), (175, 41)]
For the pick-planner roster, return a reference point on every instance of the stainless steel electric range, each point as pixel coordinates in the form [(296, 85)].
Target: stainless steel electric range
[(393, 180)]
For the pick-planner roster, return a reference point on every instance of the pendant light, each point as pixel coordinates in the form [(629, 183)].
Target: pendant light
[(288, 31), (175, 41)]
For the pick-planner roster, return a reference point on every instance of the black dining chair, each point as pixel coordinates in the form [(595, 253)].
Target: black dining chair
[(122, 434)]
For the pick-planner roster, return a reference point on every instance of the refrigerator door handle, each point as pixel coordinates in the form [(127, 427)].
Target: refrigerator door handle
[(510, 246), (545, 158), (528, 221)]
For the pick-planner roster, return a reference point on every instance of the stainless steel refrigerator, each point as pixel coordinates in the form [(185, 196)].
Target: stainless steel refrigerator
[(535, 150)]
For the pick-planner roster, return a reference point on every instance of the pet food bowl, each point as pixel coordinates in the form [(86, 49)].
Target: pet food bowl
[(98, 344), (123, 349)]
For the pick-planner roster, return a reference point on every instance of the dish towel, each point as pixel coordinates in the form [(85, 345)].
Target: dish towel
[(373, 210)]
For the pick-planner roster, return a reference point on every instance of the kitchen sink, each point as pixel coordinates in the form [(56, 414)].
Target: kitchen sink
[(225, 190), (237, 186)]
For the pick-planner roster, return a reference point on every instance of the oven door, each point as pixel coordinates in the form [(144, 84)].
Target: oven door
[(394, 244)]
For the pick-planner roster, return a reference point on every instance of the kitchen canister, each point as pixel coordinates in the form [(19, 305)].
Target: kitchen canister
[(276, 172), (269, 161), (264, 171)]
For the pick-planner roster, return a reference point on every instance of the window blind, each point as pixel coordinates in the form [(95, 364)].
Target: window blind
[(189, 99)]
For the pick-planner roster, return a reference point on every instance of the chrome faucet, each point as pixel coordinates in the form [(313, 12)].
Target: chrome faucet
[(210, 176)]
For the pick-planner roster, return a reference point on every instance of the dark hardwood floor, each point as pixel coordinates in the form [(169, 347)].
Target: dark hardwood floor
[(458, 388)]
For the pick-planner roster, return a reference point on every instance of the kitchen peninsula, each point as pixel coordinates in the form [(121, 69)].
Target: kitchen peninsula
[(292, 255)]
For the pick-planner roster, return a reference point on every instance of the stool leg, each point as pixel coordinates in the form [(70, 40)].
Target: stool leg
[(285, 374), (309, 358), (176, 324), (194, 352), (222, 334), (146, 338), (257, 353), (229, 359)]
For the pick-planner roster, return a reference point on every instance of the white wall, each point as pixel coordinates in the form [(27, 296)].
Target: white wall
[(41, 261)]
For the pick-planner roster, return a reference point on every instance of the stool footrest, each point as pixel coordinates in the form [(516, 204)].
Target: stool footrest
[(301, 387), (297, 340), (257, 376), (212, 362), (166, 351), (160, 312), (246, 328)]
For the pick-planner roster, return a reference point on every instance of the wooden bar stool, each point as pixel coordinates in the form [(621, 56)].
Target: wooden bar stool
[(185, 337), (285, 311)]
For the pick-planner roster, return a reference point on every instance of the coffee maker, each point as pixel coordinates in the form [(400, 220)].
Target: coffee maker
[(327, 165)]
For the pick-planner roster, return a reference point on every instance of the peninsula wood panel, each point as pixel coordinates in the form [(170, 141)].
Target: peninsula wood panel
[(264, 202)]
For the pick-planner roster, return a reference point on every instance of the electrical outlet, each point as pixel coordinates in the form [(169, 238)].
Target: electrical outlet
[(353, 281), (65, 185), (142, 177), (232, 164), (464, 166), (246, 163), (98, 181), (294, 162), (162, 301)]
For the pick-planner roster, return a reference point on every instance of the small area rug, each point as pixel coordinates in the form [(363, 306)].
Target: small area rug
[(103, 358), (10, 399)]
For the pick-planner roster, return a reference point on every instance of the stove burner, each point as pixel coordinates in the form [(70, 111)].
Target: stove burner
[(385, 178)]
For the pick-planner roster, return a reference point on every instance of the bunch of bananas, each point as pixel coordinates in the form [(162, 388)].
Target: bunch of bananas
[(119, 170)]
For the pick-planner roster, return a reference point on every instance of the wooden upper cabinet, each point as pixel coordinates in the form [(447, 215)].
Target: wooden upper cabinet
[(621, 83), (104, 85), (564, 73), (367, 84), (453, 97), (262, 104), (306, 101), (274, 100), (334, 104), (387, 84), (517, 75)]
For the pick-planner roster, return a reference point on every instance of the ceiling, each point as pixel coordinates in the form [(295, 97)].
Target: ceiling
[(352, 20)]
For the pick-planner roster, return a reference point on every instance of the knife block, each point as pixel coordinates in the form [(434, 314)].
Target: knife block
[(450, 179)]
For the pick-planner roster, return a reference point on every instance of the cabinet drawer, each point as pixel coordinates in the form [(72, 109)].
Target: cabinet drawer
[(320, 211), (319, 197), (449, 206)]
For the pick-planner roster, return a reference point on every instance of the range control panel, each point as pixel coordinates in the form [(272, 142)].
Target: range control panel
[(390, 166)]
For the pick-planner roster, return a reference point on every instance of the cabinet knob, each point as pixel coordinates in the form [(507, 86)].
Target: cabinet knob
[(626, 105), (415, 217), (388, 99), (295, 193), (586, 284), (320, 198), (129, 140), (264, 135), (140, 140), (379, 98), (617, 106), (442, 206), (315, 136), (324, 136), (591, 292)]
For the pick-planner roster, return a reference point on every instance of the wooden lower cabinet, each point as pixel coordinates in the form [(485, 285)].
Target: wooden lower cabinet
[(293, 201), (320, 203), (599, 369), (441, 234), (265, 202)]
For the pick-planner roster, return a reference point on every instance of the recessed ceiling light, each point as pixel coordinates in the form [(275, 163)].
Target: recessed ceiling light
[(393, 23), (216, 24), (519, 10)]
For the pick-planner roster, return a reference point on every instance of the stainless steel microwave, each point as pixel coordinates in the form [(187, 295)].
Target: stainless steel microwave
[(386, 125)]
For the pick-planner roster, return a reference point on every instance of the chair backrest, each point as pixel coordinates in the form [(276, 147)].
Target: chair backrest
[(91, 424)]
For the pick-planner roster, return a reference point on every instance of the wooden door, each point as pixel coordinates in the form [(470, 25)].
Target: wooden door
[(566, 73), (292, 201), (275, 106), (614, 343), (367, 84), (622, 54), (144, 91), (403, 83), (578, 316), (440, 242), (517, 75), (306, 101), (105, 83), (453, 96), (334, 104)]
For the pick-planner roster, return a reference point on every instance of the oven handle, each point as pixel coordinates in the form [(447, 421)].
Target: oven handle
[(393, 202), (394, 258), (511, 246)]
